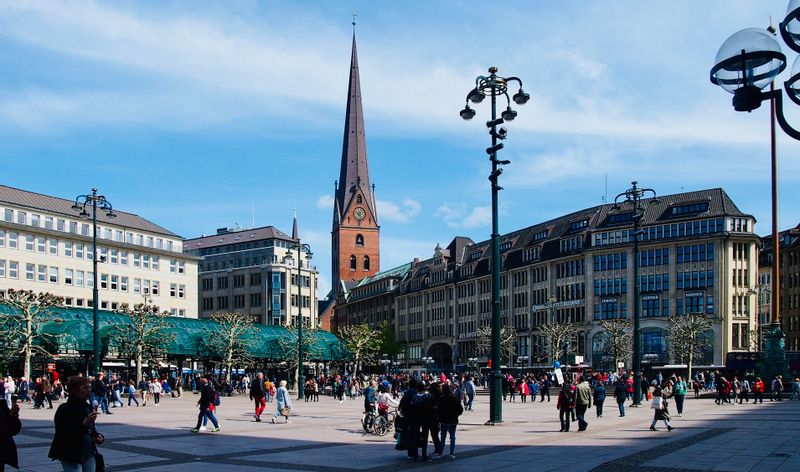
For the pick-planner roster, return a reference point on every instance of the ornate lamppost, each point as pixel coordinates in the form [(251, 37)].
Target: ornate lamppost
[(494, 86), (300, 247), (746, 63), (88, 205), (633, 196)]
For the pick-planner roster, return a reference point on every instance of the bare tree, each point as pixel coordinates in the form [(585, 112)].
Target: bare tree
[(288, 347), (232, 340), (688, 337), (559, 340), (24, 329), (362, 341), (508, 342), (144, 337), (618, 339)]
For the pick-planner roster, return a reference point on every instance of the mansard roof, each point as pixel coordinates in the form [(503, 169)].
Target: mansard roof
[(235, 237), (547, 235), (37, 201)]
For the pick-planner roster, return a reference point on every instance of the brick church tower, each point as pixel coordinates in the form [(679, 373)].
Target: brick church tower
[(355, 237)]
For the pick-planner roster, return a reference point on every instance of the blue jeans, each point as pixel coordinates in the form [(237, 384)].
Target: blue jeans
[(470, 397), (206, 413), (621, 406), (87, 466), (132, 398), (104, 404), (443, 430)]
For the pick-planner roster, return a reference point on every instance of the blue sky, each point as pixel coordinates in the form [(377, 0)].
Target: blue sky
[(192, 114)]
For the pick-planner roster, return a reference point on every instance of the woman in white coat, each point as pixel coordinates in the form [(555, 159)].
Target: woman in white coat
[(282, 402)]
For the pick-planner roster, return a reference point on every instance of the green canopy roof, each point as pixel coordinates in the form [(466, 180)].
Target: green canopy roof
[(71, 328)]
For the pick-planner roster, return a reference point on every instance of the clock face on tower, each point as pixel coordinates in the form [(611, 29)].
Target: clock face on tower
[(359, 213)]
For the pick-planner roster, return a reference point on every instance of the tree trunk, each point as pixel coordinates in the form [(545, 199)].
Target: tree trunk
[(228, 365), (138, 365), (689, 365), (28, 341)]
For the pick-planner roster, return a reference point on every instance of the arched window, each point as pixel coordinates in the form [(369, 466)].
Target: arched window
[(358, 199), (359, 240), (366, 262), (352, 262)]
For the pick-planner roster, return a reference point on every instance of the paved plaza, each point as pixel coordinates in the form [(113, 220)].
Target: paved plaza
[(327, 436)]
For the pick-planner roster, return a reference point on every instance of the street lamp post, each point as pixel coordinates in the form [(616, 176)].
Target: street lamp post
[(495, 85), (386, 363), (300, 247), (746, 63), (634, 196), (82, 204), (428, 361)]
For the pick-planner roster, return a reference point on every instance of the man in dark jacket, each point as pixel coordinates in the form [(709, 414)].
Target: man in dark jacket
[(10, 425), (620, 394), (409, 408), (207, 398), (100, 393), (258, 395), (448, 412)]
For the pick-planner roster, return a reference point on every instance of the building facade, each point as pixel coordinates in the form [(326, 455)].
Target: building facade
[(789, 303), (255, 271), (45, 246), (698, 253)]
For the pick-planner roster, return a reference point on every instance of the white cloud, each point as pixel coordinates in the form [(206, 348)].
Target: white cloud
[(325, 202), (402, 213), (459, 215)]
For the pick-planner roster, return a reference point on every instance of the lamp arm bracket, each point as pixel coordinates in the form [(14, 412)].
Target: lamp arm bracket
[(777, 96)]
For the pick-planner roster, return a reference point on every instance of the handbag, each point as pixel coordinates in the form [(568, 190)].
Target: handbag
[(285, 411), (99, 462)]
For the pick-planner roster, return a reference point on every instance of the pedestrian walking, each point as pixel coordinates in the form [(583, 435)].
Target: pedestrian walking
[(599, 397), (76, 439), (449, 410), (745, 392), (258, 395), (659, 405), (10, 426), (565, 405), (208, 397), (777, 389), (679, 392), (132, 393), (282, 402), (758, 391), (144, 389), (545, 389), (583, 401), (155, 389), (469, 389), (621, 395)]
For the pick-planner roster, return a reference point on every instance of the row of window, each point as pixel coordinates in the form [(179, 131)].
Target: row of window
[(354, 263), (654, 257), (78, 250), (611, 261), (74, 227), (695, 279), (694, 253), (665, 231)]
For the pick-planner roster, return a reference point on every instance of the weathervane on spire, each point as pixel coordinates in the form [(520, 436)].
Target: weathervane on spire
[(354, 21)]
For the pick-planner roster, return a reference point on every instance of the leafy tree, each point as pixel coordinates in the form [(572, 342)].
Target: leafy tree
[(363, 342), (144, 337), (508, 342), (618, 339), (559, 340), (23, 330), (688, 337), (389, 343), (232, 340)]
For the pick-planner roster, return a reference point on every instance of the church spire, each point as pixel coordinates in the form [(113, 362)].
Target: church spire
[(295, 235), (354, 170)]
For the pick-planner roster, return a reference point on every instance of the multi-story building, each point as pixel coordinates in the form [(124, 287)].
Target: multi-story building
[(789, 302), (698, 254), (45, 246), (255, 271)]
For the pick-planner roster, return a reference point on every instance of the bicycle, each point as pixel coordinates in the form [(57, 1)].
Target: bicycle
[(384, 424), (368, 422)]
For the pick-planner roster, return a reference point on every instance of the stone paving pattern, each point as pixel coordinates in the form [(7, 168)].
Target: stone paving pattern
[(327, 436)]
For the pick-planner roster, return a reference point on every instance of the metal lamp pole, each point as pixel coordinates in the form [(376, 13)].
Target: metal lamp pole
[(300, 247), (634, 195), (495, 85), (94, 201)]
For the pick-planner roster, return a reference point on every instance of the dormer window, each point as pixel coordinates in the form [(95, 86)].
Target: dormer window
[(578, 225), (475, 256), (506, 246), (688, 209), (540, 235), (618, 218)]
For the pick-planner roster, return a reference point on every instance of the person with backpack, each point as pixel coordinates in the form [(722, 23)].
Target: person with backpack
[(257, 394), (565, 405), (599, 398), (449, 410), (207, 398)]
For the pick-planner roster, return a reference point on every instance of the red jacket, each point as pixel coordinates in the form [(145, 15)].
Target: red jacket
[(758, 387)]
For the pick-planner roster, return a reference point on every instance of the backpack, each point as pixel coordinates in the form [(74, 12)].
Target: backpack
[(217, 401)]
